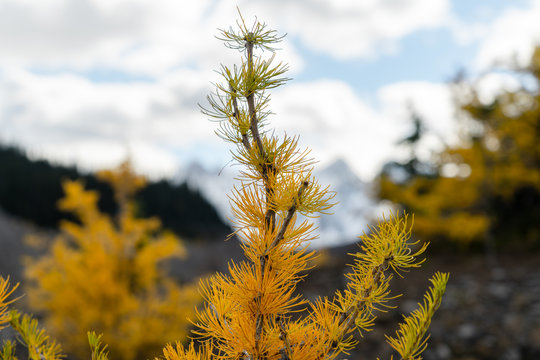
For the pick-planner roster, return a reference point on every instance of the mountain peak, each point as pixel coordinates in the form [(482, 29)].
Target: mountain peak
[(339, 164), (354, 210), (339, 172)]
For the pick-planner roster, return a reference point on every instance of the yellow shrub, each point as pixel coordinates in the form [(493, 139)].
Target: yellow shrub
[(103, 274)]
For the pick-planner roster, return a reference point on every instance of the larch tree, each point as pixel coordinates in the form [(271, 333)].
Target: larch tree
[(105, 274), (253, 311), (486, 188)]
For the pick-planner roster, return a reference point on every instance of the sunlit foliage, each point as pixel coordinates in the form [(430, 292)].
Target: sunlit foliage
[(37, 343), (104, 275), (411, 339), (99, 351), (253, 312), (477, 191), (5, 292)]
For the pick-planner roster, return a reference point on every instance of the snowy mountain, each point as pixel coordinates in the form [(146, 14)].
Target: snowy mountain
[(354, 209), (355, 206), (214, 185)]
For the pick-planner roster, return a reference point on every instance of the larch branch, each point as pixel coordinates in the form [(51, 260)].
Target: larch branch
[(236, 114), (270, 216), (290, 213)]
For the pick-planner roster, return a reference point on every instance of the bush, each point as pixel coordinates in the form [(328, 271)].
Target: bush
[(103, 274)]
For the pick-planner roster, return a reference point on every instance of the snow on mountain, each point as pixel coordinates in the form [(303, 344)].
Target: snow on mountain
[(355, 208), (214, 185)]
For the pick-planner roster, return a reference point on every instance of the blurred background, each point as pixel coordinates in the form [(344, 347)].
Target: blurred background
[(428, 106)]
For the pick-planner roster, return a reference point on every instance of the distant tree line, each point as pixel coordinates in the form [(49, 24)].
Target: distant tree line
[(30, 189)]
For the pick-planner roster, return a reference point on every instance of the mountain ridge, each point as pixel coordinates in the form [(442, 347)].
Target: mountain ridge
[(355, 206)]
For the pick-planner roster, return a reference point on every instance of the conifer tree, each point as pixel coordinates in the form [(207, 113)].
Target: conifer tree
[(252, 312), (492, 192), (104, 274)]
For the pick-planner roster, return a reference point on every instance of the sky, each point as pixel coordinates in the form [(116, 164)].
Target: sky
[(90, 82)]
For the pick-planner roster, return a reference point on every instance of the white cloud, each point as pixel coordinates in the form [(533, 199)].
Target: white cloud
[(511, 38), (492, 84), (56, 32), (433, 102), (140, 37), (467, 33), (332, 120), (69, 118), (349, 29), (153, 37), (336, 122)]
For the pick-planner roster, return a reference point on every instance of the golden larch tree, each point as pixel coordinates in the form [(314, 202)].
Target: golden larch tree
[(496, 161), (253, 311), (104, 274)]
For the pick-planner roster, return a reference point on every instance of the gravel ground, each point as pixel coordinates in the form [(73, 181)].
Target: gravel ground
[(487, 313)]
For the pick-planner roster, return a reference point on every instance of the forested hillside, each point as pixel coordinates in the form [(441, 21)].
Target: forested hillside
[(30, 189)]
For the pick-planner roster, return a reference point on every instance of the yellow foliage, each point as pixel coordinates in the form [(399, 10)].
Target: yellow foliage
[(500, 159), (5, 292), (104, 275), (99, 351), (410, 340), (38, 343), (255, 311)]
